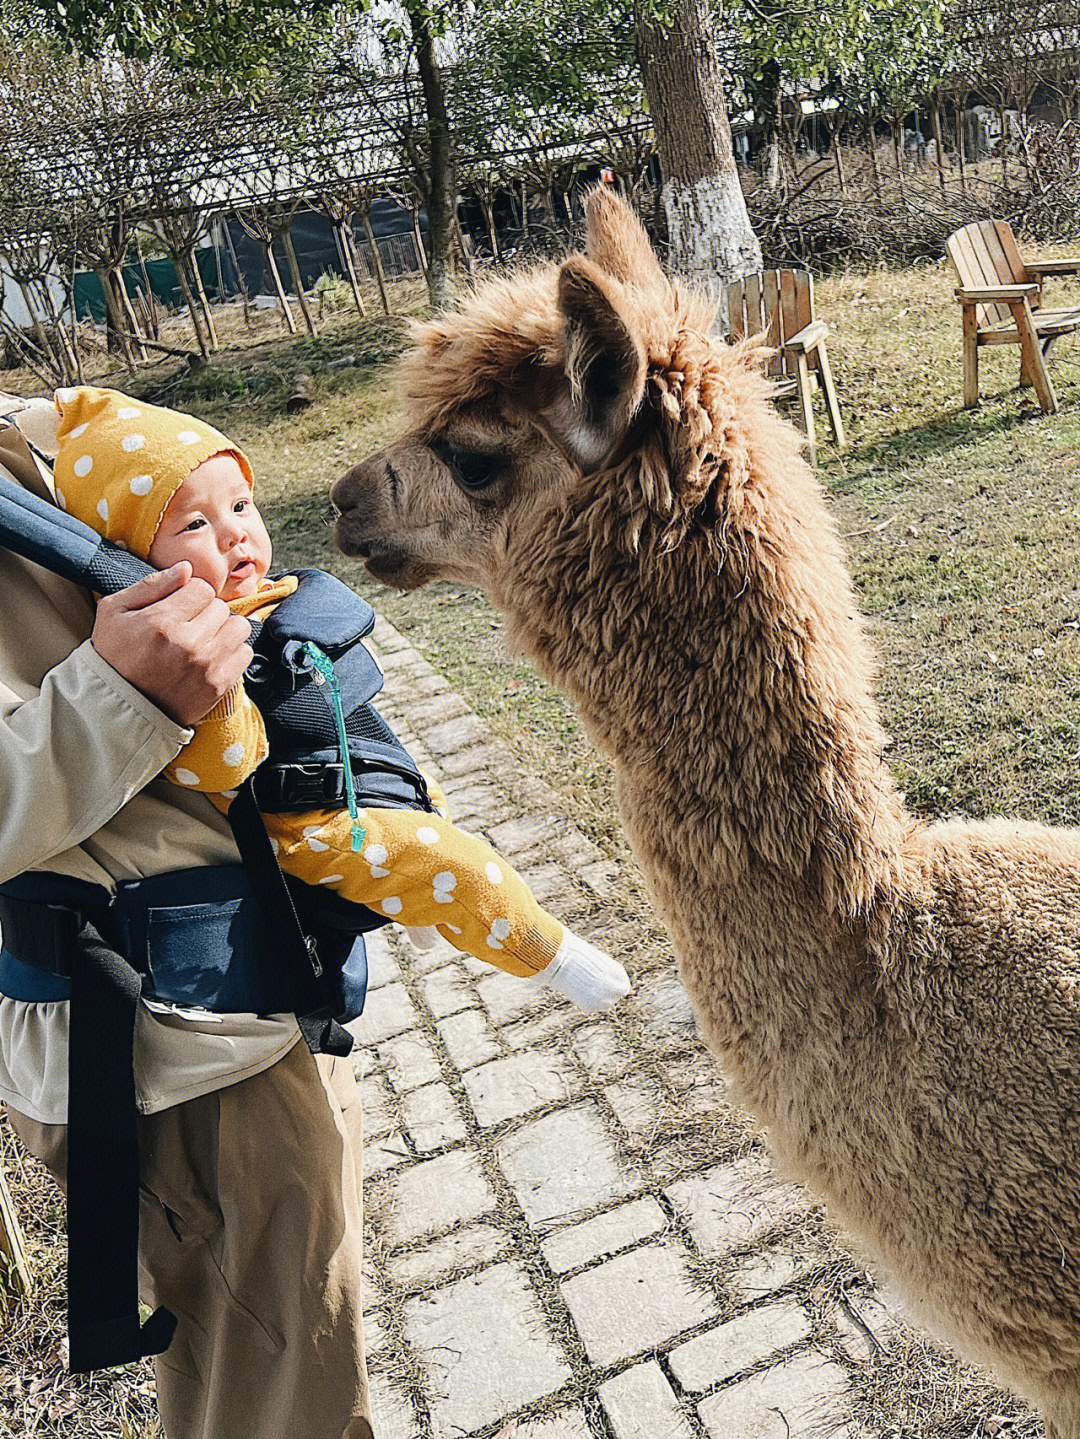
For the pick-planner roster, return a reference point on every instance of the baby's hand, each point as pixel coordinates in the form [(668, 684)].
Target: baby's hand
[(585, 974)]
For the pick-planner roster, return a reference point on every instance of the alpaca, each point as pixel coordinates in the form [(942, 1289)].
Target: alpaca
[(897, 1002)]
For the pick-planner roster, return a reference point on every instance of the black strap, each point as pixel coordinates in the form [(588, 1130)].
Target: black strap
[(103, 1167), (292, 944)]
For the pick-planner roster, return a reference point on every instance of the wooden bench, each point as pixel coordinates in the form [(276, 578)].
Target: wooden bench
[(779, 304), (1001, 295)]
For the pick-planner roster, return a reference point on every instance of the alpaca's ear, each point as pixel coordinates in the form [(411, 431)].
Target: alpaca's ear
[(615, 239), (605, 366)]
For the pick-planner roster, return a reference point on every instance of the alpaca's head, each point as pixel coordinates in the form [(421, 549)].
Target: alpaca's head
[(540, 385)]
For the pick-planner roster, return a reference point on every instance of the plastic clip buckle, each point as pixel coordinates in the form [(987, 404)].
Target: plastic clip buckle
[(316, 785)]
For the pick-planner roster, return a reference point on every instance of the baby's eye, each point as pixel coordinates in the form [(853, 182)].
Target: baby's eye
[(241, 506), (196, 524)]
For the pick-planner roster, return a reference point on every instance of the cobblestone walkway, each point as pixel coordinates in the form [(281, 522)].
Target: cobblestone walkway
[(571, 1235)]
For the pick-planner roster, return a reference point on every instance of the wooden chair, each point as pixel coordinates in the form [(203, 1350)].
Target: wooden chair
[(779, 304), (1001, 295)]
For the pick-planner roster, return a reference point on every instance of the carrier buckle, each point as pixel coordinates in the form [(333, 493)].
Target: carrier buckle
[(317, 784)]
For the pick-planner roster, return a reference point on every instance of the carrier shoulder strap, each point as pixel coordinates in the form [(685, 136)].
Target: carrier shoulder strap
[(42, 532), (104, 1324)]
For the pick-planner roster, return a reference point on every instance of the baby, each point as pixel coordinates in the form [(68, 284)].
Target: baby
[(170, 488)]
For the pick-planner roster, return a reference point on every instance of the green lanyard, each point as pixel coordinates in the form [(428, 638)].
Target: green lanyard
[(325, 674)]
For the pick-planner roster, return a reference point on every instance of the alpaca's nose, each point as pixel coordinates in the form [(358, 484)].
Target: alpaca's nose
[(355, 498), (356, 488), (340, 492)]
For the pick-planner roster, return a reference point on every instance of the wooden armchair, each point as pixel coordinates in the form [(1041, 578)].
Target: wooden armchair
[(779, 304), (1001, 295)]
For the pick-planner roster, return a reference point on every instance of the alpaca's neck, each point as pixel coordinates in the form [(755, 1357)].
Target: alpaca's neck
[(733, 691), (734, 686)]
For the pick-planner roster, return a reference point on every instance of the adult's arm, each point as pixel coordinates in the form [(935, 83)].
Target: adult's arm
[(98, 731), (73, 755)]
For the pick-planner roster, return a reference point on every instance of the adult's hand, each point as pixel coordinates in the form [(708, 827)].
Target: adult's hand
[(173, 639)]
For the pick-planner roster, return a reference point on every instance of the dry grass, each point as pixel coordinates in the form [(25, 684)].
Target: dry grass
[(37, 1395)]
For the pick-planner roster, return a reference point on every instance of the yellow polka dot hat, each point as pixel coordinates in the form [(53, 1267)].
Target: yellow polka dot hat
[(119, 462)]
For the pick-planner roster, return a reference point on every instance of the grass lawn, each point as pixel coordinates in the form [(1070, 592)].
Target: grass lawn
[(963, 530)]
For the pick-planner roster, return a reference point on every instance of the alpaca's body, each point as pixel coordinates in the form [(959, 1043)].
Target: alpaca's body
[(899, 1004), (865, 1081)]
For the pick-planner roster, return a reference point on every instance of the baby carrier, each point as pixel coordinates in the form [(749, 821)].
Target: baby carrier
[(232, 938)]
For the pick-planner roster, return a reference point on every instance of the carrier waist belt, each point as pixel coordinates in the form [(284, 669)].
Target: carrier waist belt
[(198, 937)]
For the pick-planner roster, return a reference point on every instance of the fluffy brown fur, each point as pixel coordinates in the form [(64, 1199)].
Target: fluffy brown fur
[(899, 1003)]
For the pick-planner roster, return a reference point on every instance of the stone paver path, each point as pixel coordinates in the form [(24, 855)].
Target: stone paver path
[(571, 1234)]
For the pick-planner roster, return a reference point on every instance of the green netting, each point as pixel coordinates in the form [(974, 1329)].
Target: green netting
[(90, 297)]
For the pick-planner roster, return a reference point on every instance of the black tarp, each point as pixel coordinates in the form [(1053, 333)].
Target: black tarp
[(316, 251)]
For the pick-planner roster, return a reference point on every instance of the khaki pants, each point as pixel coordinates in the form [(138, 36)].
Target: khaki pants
[(250, 1232)]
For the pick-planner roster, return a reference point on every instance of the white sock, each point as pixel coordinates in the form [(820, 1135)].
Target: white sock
[(585, 974), (422, 936)]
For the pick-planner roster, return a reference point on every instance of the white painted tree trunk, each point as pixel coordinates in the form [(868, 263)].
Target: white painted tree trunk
[(709, 236)]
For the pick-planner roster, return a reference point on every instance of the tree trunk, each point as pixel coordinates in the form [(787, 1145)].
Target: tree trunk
[(770, 171), (153, 328), (871, 150), (115, 338), (418, 242), (298, 284), (464, 246), (73, 336), (44, 344), (840, 176), (960, 146), (769, 94), (442, 189), (343, 234), (216, 243), (279, 288), (898, 153), (939, 140), (376, 258), (1004, 151), (129, 319), (239, 273), (489, 220), (72, 367), (180, 266), (201, 296), (709, 233), (69, 359)]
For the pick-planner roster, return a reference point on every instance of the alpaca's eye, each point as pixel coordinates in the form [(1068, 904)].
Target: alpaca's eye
[(471, 469)]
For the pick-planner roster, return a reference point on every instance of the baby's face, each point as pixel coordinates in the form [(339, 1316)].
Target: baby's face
[(212, 523)]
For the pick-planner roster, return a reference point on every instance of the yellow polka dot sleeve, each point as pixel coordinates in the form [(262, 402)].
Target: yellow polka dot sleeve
[(231, 741), (419, 869), (227, 746)]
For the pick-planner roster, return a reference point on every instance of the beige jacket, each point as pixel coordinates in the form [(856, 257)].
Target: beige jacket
[(80, 755)]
